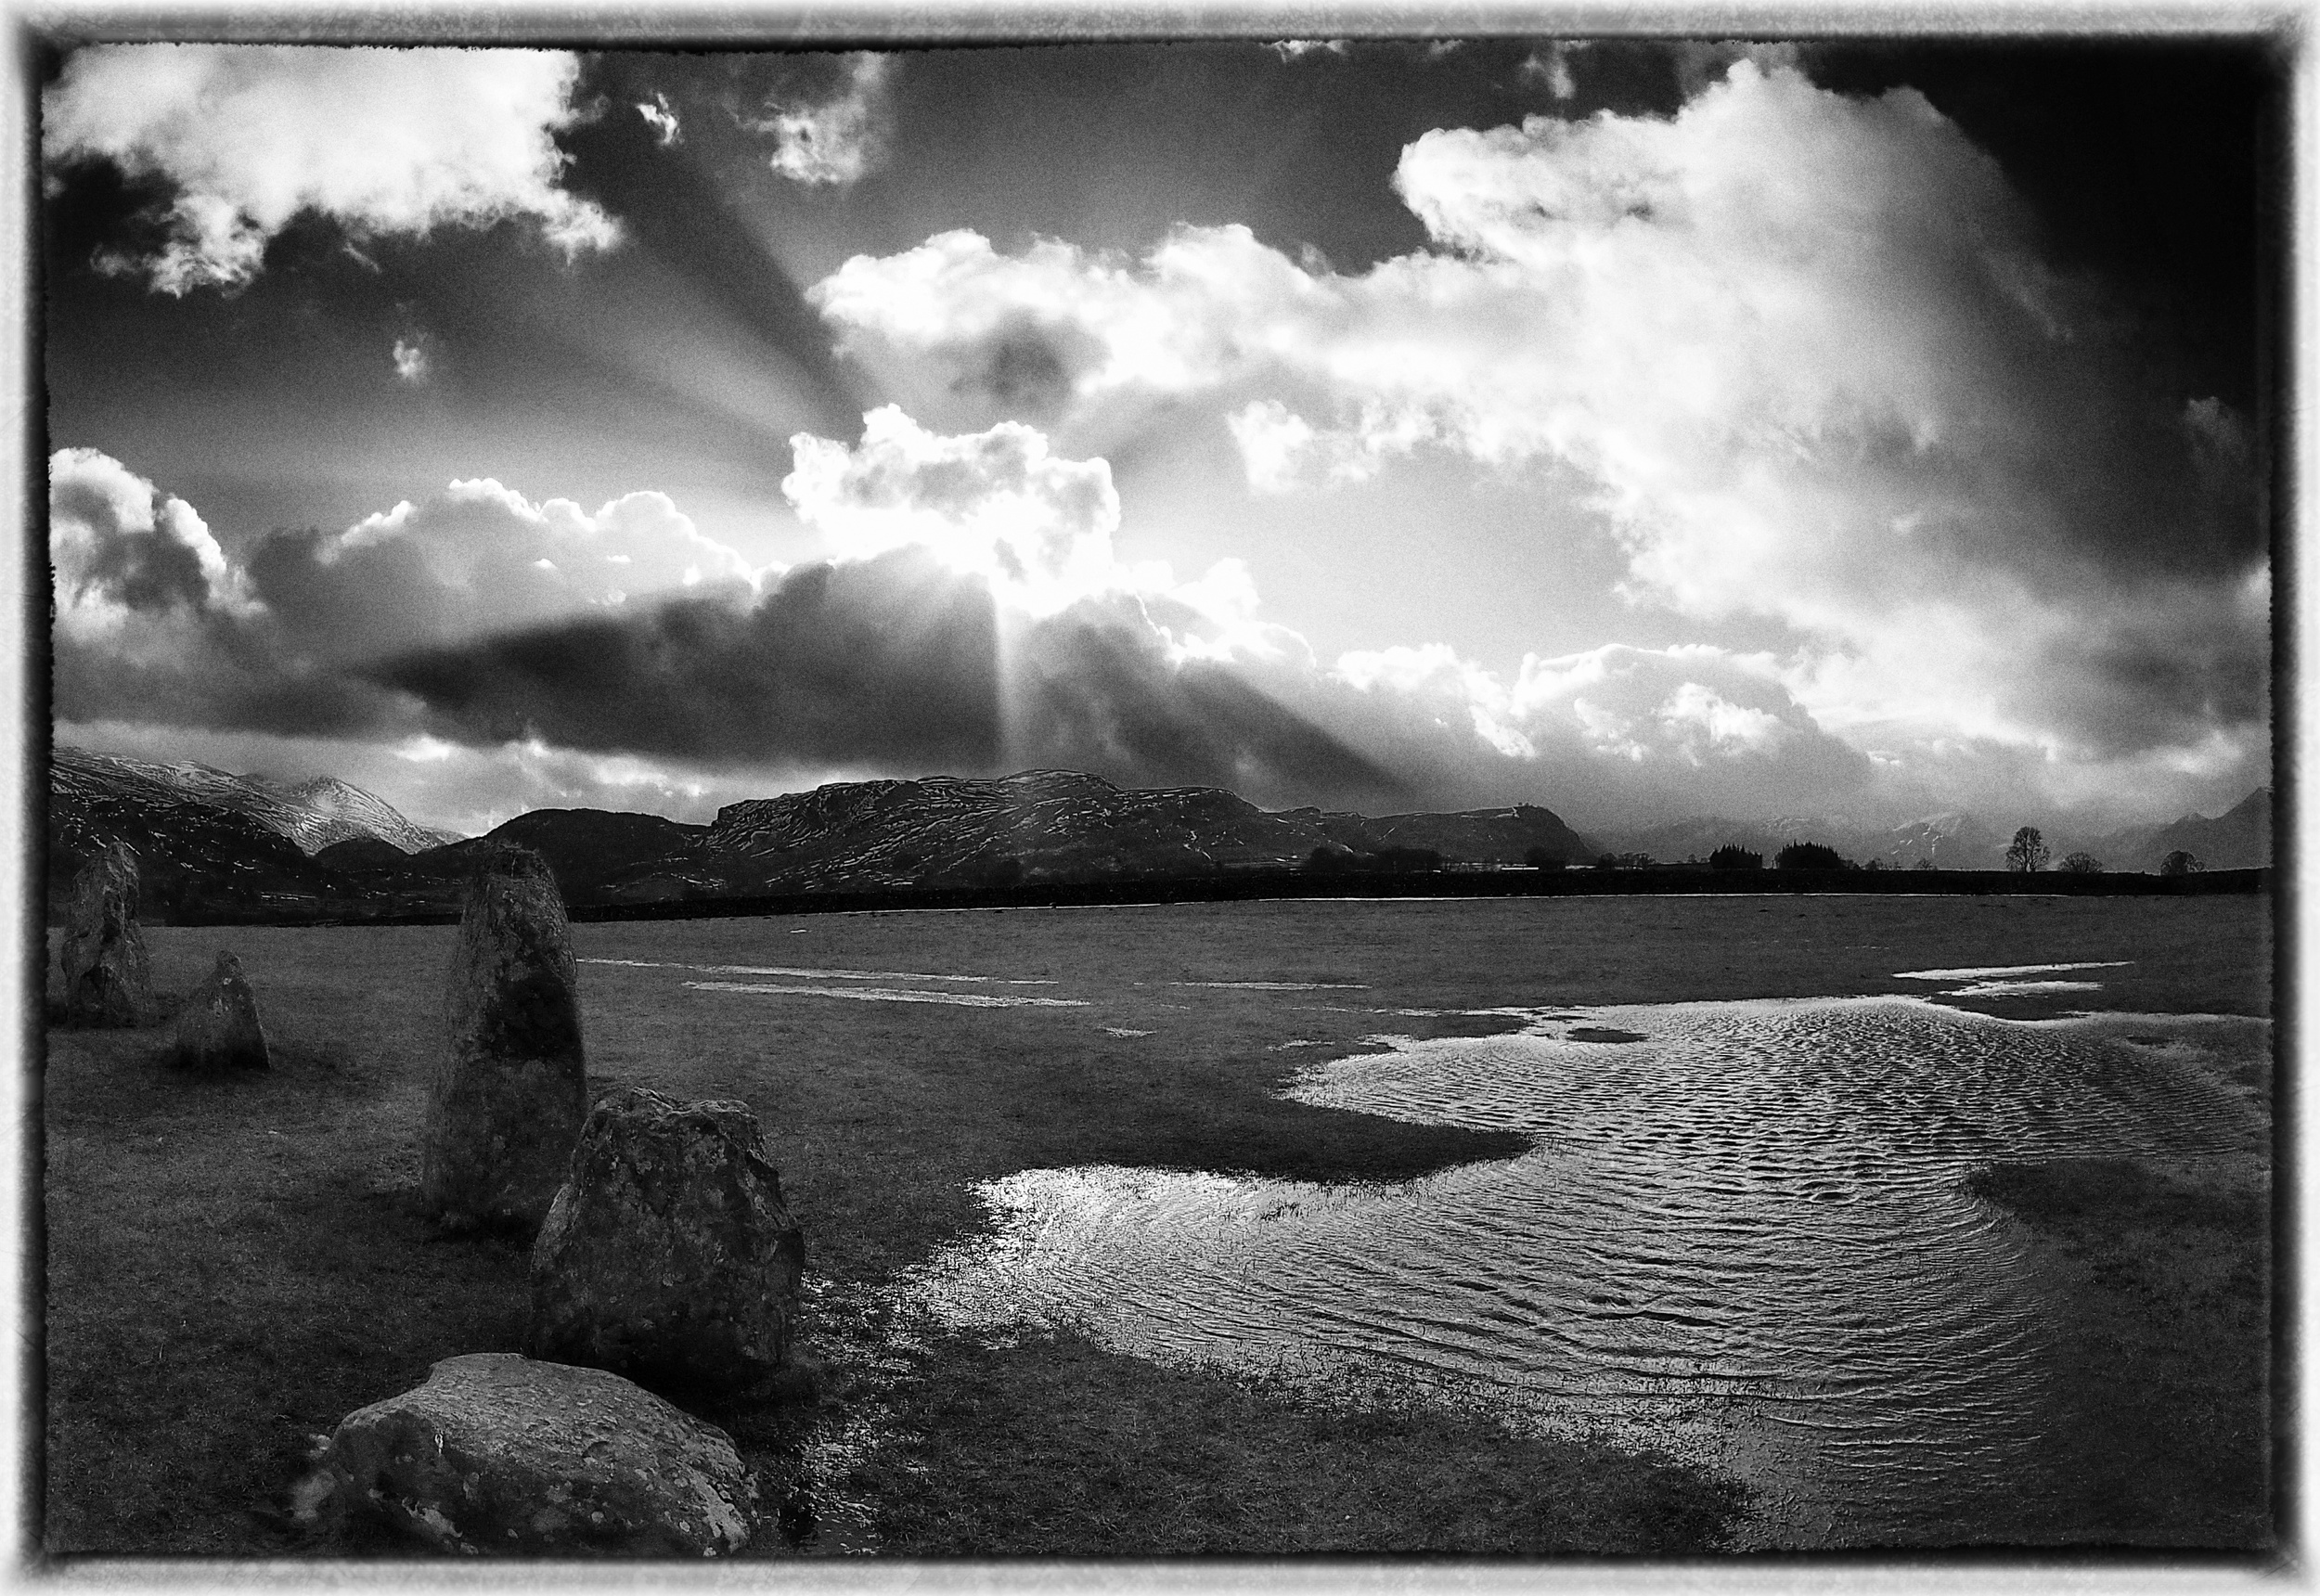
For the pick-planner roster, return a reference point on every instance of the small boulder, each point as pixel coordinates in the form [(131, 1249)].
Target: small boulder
[(497, 1453), (512, 1088), (669, 1255), (107, 980), (218, 1027)]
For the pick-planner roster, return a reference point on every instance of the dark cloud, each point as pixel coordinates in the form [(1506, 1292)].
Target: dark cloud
[(1093, 690), (2149, 684), (224, 675), (891, 661), (2146, 160)]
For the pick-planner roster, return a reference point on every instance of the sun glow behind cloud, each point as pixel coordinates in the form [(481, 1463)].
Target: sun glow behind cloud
[(1803, 349), (1792, 360), (998, 506)]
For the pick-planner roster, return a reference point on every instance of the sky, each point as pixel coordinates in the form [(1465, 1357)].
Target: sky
[(1641, 428)]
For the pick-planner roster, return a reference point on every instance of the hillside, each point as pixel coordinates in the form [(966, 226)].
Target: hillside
[(232, 841), (311, 815)]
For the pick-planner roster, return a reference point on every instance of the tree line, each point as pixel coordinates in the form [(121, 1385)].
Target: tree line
[(2026, 854)]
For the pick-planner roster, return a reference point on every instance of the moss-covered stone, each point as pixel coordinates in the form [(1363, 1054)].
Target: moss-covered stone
[(508, 1098), (106, 976), (497, 1453), (218, 1028), (669, 1253)]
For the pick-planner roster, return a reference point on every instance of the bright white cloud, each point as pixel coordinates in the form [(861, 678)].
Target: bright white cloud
[(1673, 710), (476, 558), (410, 360), (383, 141), (835, 141), (1296, 49), (1801, 346), (997, 504), (493, 558), (117, 547), (661, 118)]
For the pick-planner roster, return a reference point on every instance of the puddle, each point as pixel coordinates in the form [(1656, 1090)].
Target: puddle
[(1976, 973), (812, 973), (2017, 988), (892, 995), (2011, 980), (1281, 985), (1739, 1239)]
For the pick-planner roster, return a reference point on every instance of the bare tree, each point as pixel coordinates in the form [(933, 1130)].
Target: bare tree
[(2028, 851)]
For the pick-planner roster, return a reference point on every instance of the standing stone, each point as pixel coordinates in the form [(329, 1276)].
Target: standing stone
[(669, 1255), (496, 1454), (105, 978), (218, 1027), (511, 1089)]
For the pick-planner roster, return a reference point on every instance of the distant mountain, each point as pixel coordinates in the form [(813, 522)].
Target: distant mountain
[(204, 832), (1471, 836), (207, 842), (1699, 837), (2240, 838), (596, 855), (210, 841), (312, 815), (947, 831), (1953, 842), (1061, 825), (325, 810)]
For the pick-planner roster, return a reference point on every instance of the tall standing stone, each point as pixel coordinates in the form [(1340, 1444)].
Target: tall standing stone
[(669, 1255), (511, 1089), (107, 980), (218, 1027)]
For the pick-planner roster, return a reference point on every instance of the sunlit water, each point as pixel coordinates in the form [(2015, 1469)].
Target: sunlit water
[(1740, 1239)]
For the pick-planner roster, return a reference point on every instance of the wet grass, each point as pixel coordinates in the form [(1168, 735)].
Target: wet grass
[(233, 1265), (2162, 1277), (1054, 1448)]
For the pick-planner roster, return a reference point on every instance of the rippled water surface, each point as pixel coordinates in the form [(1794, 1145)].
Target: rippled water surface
[(1740, 1237)]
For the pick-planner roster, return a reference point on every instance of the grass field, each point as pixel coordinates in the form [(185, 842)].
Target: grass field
[(234, 1265)]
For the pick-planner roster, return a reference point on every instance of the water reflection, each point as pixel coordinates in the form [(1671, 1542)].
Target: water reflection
[(887, 995), (1739, 1237)]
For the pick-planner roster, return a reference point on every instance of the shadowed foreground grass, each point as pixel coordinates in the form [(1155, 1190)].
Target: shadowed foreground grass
[(232, 1266), (2162, 1277), (1053, 1446)]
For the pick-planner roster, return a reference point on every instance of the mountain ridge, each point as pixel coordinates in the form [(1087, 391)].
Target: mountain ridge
[(208, 836), (312, 814), (2240, 838), (213, 839)]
